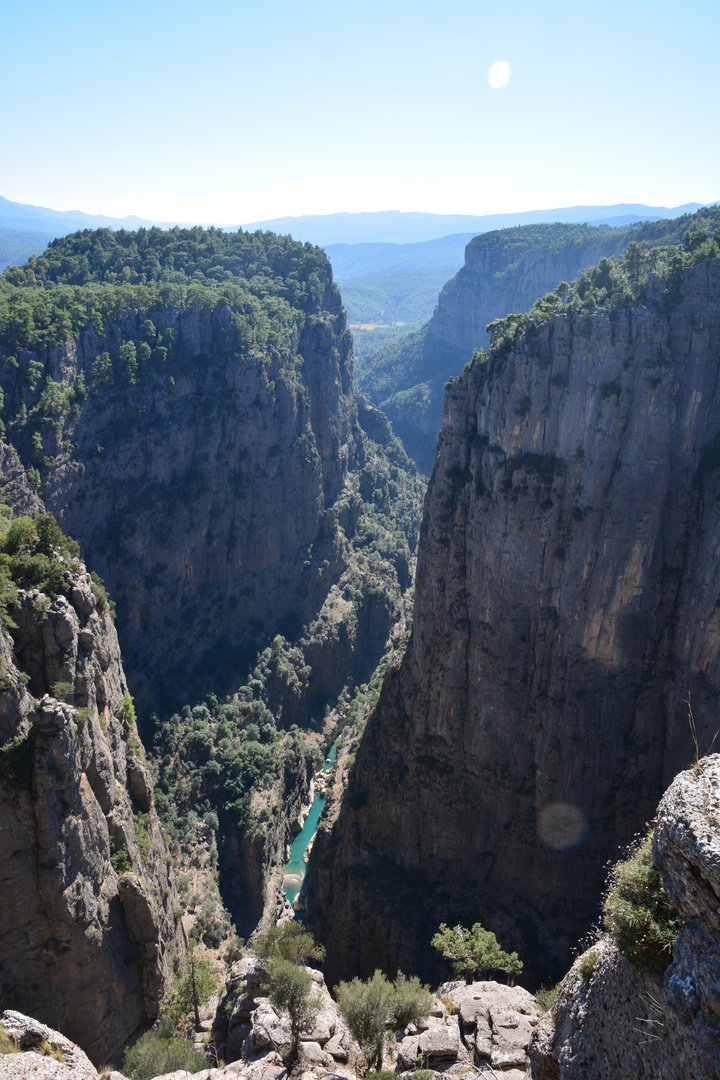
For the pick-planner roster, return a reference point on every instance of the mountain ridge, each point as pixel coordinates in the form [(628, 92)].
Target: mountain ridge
[(408, 226)]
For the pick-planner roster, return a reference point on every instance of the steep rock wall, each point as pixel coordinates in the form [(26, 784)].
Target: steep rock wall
[(201, 495), (566, 605), (86, 946)]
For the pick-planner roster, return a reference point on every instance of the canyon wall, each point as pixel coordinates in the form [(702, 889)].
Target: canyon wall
[(201, 495), (567, 606), (88, 932), (504, 272)]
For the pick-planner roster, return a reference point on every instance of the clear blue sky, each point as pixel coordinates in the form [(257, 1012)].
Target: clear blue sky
[(230, 111)]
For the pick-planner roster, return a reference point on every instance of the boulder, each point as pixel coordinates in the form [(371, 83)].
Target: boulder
[(312, 1053), (339, 1045), (440, 1041), (43, 1052)]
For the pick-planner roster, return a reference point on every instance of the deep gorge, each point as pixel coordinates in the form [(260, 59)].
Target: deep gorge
[(508, 716)]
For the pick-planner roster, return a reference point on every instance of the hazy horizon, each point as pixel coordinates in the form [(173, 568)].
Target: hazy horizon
[(236, 113)]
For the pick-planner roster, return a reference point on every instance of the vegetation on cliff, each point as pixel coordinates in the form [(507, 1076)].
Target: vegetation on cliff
[(637, 912), (87, 278), (505, 271), (474, 951), (617, 283)]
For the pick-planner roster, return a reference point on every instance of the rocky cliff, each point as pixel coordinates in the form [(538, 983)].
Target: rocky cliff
[(200, 496), (504, 271), (615, 1020), (566, 608), (88, 935), (183, 402)]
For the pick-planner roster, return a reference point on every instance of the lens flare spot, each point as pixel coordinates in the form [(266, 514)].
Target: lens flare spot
[(499, 74), (561, 826)]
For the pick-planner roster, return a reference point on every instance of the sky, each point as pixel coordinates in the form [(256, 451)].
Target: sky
[(232, 111)]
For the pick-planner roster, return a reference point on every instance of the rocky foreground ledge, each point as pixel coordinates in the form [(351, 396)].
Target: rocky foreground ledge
[(484, 1028)]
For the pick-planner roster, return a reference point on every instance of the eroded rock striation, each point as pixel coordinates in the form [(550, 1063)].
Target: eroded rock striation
[(566, 607), (88, 935)]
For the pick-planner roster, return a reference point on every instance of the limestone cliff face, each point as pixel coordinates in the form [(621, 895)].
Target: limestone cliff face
[(202, 494), (566, 606), (86, 946), (494, 281), (624, 1022)]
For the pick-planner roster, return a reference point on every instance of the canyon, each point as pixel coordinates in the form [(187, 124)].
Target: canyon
[(565, 614), (526, 691)]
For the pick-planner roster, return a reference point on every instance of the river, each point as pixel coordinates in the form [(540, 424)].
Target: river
[(294, 869)]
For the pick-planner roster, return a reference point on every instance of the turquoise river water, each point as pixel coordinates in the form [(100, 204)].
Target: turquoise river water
[(294, 869)]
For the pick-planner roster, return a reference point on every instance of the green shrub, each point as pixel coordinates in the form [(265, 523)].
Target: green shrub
[(289, 941), (102, 600), (638, 914), (144, 840), (16, 761), (120, 862), (63, 691), (127, 710), (546, 998), (152, 1055), (367, 1007), (411, 1001), (587, 965)]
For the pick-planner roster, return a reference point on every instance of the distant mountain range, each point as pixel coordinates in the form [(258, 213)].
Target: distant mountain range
[(401, 227), (385, 226)]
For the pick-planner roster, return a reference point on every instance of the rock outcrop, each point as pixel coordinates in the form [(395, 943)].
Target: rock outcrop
[(88, 935), (30, 1049), (617, 1021), (566, 607), (248, 1027), (483, 1025)]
